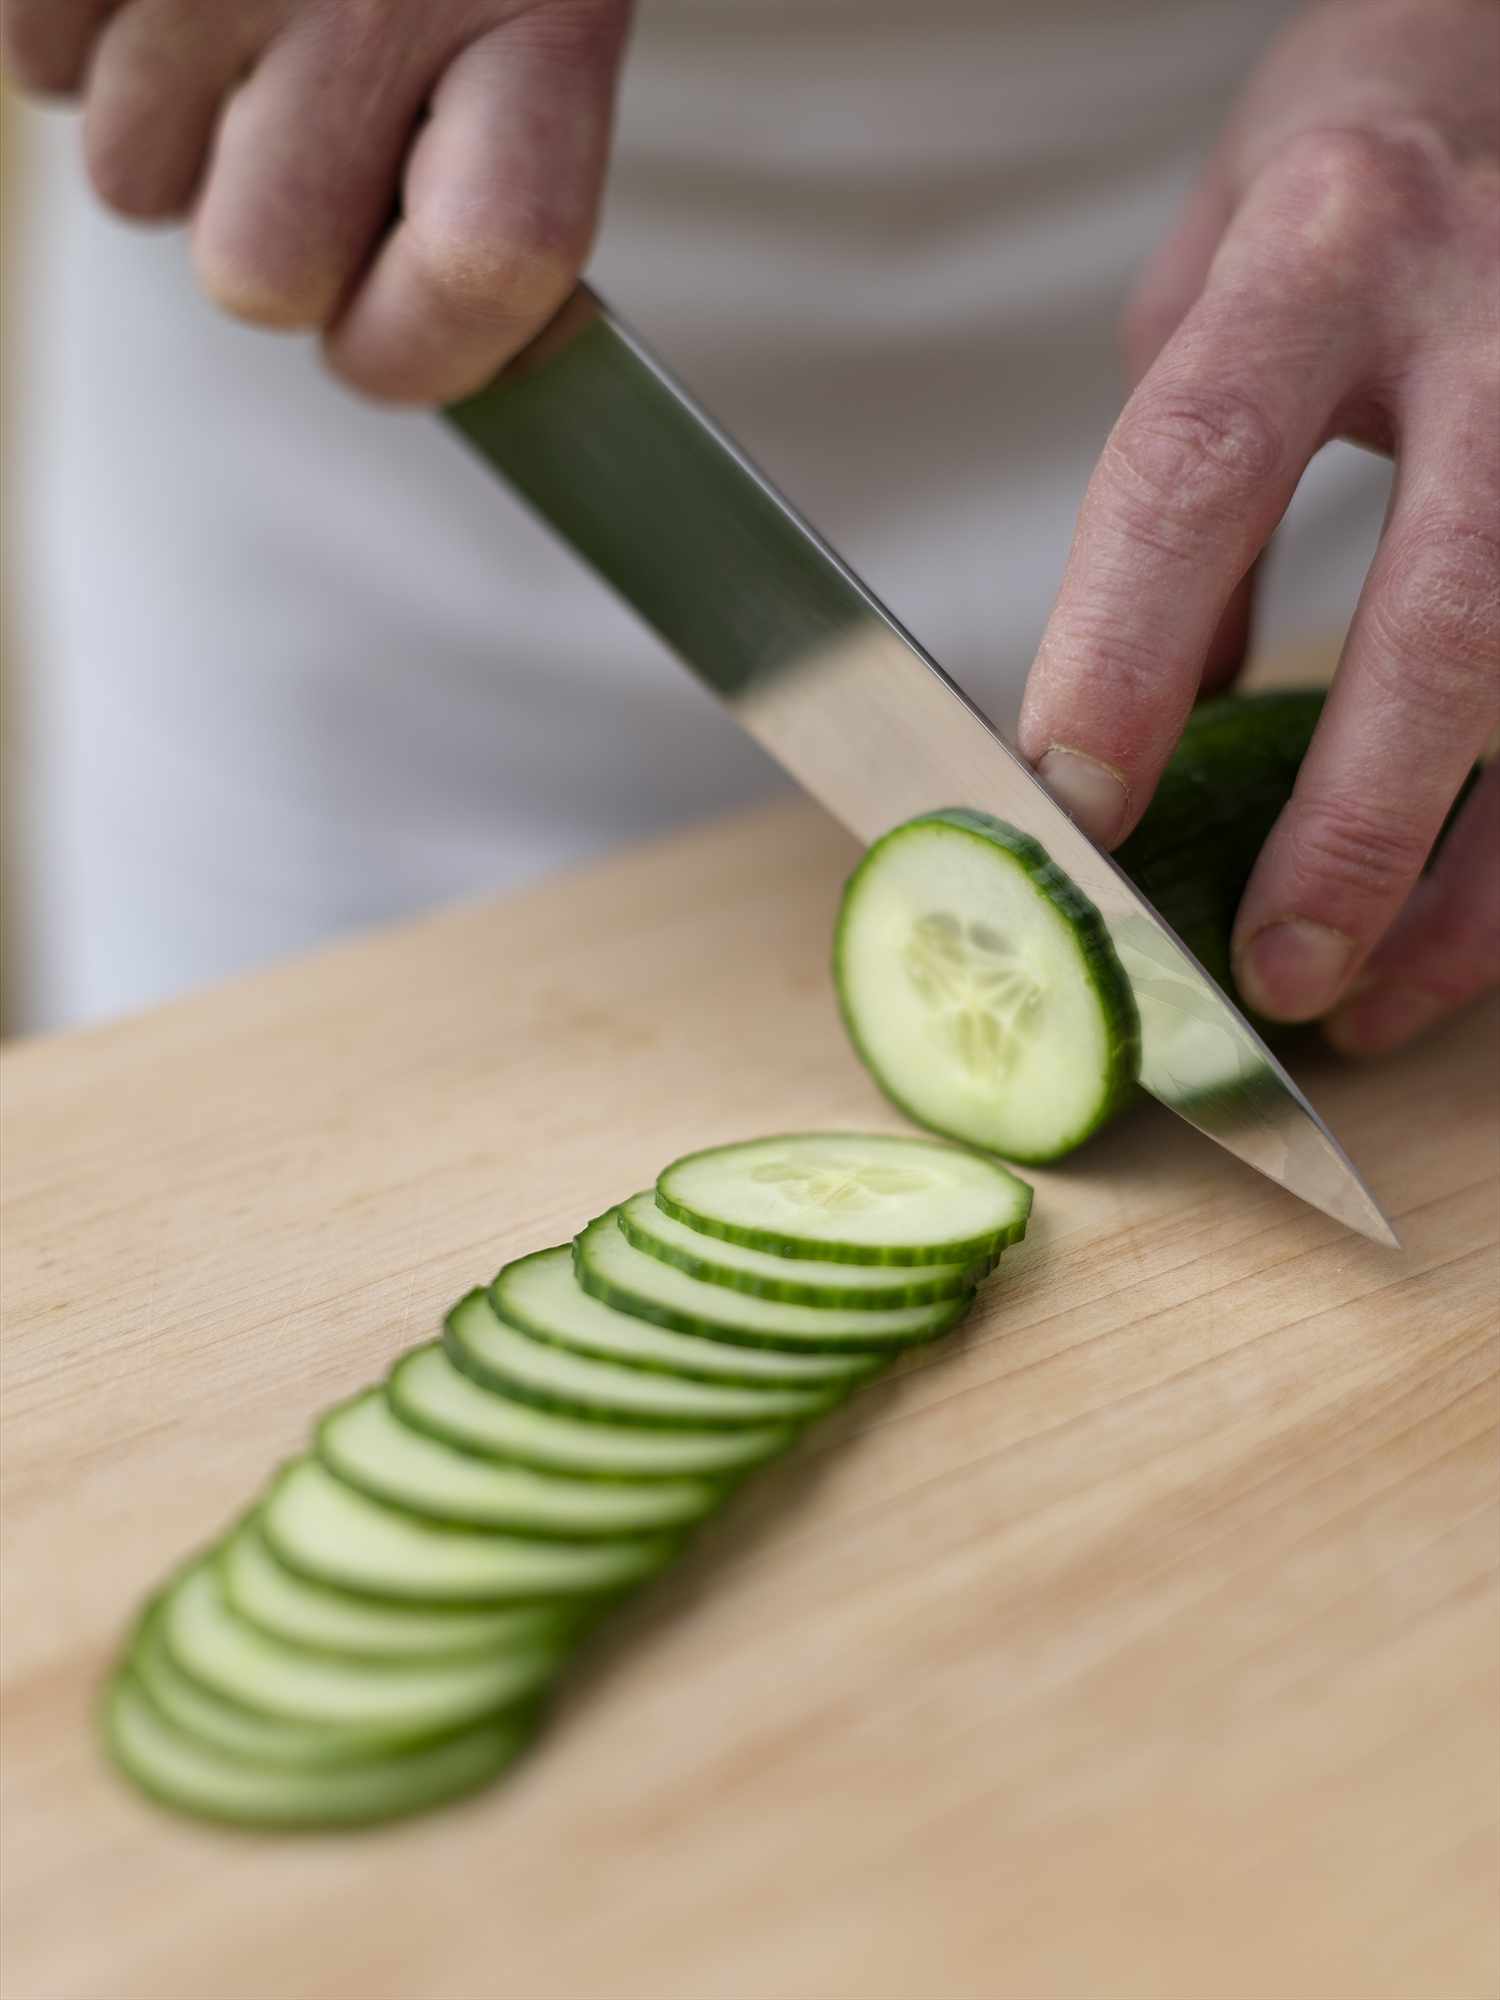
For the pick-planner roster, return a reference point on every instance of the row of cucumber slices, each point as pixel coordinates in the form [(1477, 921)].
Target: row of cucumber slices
[(377, 1633)]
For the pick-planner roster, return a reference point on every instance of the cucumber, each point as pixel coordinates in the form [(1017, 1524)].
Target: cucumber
[(326, 1708), (328, 1532), (797, 1281), (497, 1354), (430, 1394), (612, 1269), (369, 1447), (849, 1198), (318, 1617), (955, 987), (545, 1295), (181, 1769), (1223, 789), (981, 990)]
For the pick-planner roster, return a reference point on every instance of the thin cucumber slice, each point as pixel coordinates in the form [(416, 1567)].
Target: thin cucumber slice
[(849, 1198), (317, 1525), (544, 1296), (242, 1732), (610, 1266), (431, 1395), (795, 1280), (500, 1355), (353, 1707), (180, 1769), (316, 1615), (981, 989), (369, 1447)]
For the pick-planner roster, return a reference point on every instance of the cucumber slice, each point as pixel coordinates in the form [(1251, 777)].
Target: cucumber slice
[(795, 1280), (328, 1532), (980, 988), (368, 1446), (180, 1769), (315, 1615), (352, 1707), (849, 1198), (242, 1732), (501, 1356), (544, 1296), (610, 1266), (431, 1395)]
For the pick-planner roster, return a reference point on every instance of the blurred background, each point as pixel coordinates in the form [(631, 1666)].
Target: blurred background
[(279, 664)]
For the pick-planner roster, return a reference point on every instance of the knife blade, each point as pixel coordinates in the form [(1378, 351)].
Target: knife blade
[(596, 434)]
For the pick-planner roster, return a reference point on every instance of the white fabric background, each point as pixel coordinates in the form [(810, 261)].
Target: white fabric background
[(296, 664)]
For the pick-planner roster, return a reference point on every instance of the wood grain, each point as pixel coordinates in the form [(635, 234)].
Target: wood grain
[(1140, 1640)]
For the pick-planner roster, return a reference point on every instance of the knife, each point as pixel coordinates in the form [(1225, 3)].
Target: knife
[(594, 432)]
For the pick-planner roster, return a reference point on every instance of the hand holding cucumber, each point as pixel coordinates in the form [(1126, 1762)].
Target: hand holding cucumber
[(1334, 275)]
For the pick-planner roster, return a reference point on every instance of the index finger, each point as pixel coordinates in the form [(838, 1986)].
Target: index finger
[(1196, 474), (501, 201)]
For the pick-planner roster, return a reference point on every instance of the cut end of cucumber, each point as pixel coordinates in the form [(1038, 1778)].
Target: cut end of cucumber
[(981, 989)]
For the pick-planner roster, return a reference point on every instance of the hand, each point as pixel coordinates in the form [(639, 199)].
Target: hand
[(1334, 276), (292, 128)]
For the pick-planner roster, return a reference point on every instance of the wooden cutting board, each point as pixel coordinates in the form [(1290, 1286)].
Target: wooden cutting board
[(1139, 1640)]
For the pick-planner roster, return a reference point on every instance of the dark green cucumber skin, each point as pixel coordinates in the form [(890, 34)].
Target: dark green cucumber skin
[(1223, 790), (579, 1408), (149, 1633), (784, 1292), (727, 1478), (524, 1726), (1104, 968), (947, 1313)]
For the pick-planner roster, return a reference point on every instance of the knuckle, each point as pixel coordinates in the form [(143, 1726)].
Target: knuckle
[(1149, 695), (1438, 627), (1359, 210), (37, 48), (1343, 191), (486, 279), (358, 34), (283, 300), (1354, 863), (574, 31), (1187, 460), (1382, 165)]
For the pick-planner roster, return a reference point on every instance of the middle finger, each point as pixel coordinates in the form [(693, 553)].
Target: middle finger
[(308, 157)]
